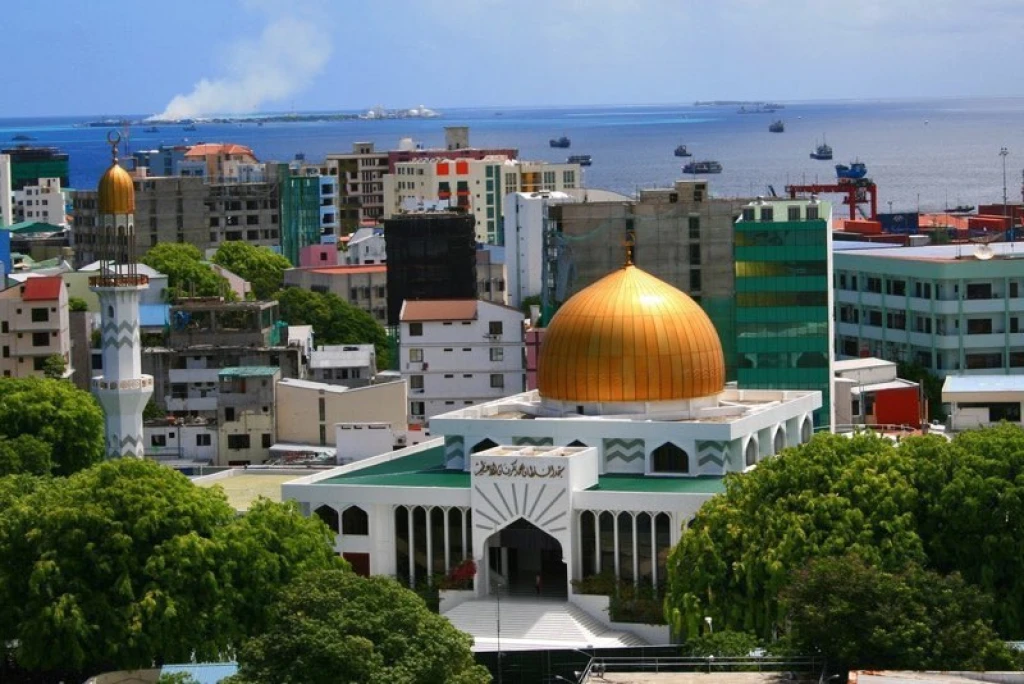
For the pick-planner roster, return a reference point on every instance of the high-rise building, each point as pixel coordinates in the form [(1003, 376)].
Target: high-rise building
[(123, 390), (431, 255), (300, 211), (784, 329)]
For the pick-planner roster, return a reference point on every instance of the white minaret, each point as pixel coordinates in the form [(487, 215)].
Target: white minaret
[(122, 390)]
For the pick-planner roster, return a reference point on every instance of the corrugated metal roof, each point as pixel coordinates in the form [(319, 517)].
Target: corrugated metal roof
[(248, 371), (983, 383), (439, 310)]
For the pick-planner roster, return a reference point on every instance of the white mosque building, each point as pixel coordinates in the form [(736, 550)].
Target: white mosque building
[(630, 431)]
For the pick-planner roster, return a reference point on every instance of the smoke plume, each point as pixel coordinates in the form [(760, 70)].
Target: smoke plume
[(280, 62)]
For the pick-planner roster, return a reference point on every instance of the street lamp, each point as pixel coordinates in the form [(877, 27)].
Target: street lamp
[(707, 619)]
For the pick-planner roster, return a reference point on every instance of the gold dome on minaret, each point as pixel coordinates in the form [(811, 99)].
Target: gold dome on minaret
[(630, 337), (116, 190)]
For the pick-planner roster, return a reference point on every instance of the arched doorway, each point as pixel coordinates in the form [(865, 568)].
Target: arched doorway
[(526, 557)]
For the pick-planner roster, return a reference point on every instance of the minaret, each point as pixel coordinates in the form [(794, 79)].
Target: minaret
[(122, 389)]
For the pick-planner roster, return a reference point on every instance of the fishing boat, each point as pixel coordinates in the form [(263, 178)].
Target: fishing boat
[(190, 127), (777, 127), (822, 151), (560, 142), (703, 167), (581, 159), (681, 151), (854, 171)]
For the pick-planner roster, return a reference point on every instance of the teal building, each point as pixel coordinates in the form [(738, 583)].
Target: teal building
[(783, 308), (300, 211)]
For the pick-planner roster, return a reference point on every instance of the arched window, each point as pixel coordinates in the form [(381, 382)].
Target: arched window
[(355, 521), (780, 439), (806, 431), (752, 452), (668, 458), (483, 445), (329, 516), (110, 312)]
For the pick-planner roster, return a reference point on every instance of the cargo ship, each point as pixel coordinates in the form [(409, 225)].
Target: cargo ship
[(777, 127), (560, 142), (681, 151), (581, 159), (703, 167), (854, 171), (822, 151)]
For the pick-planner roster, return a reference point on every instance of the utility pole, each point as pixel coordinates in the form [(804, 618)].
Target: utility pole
[(1004, 153)]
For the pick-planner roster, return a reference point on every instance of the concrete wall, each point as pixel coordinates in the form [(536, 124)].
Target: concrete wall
[(298, 409)]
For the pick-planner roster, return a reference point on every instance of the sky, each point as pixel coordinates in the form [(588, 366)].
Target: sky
[(201, 57)]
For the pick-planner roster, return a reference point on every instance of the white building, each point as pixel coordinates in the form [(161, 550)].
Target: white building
[(977, 401), (6, 198), (459, 352), (366, 247), (954, 309), (479, 185), (43, 202), (630, 432), (526, 220), (351, 365)]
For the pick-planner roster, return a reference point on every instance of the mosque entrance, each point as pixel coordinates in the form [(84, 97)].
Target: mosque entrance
[(529, 560)]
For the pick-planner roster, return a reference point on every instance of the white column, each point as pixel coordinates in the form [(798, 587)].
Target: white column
[(654, 550), (465, 527), (576, 569), (412, 550), (430, 544), (447, 543), (615, 538), (597, 541), (636, 558)]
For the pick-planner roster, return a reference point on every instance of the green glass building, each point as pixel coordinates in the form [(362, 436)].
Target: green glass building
[(783, 308), (300, 212)]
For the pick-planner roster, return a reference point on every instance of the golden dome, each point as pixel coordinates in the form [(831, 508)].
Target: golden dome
[(630, 337), (116, 191)]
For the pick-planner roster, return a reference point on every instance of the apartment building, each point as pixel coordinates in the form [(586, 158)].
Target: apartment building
[(34, 325), (42, 201), (364, 287), (459, 352), (351, 365), (246, 409), (360, 190), (953, 309)]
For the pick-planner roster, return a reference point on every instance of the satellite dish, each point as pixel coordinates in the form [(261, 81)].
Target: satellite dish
[(983, 252)]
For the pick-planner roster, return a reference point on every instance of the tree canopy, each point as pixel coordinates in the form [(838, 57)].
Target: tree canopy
[(334, 320), (261, 266), (186, 273), (942, 507), (55, 413), (128, 563), (332, 627)]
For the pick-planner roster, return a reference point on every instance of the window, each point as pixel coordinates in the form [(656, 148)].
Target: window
[(3, 327), (793, 213), (40, 315), (229, 413), (494, 327), (202, 440), (896, 287), (236, 442), (498, 354), (323, 435), (874, 285), (991, 360), (497, 381), (323, 409), (668, 458), (1014, 324), (1013, 290), (767, 214), (158, 440), (979, 326), (979, 291), (415, 382), (812, 212), (748, 214), (416, 408), (355, 521), (7, 352), (694, 254), (694, 227), (695, 281), (40, 339), (416, 355)]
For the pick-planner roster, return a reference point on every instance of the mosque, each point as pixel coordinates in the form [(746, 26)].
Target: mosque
[(630, 431)]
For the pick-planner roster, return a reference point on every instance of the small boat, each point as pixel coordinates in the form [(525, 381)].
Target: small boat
[(703, 167), (777, 127), (560, 142), (21, 137), (681, 151), (822, 151), (581, 159), (854, 171), (190, 127), (151, 129)]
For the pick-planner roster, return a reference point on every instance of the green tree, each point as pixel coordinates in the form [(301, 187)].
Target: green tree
[(829, 496), (57, 413), (128, 563), (334, 320), (331, 627), (77, 304), (186, 273), (860, 617), (722, 643), (54, 367), (261, 266), (153, 411), (25, 454)]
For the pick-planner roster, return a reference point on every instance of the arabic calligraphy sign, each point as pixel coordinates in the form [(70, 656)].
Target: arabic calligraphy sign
[(517, 468)]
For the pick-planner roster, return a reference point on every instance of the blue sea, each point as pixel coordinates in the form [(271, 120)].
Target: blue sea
[(927, 154)]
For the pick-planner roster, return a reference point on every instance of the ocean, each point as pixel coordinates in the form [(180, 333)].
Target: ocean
[(923, 154)]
